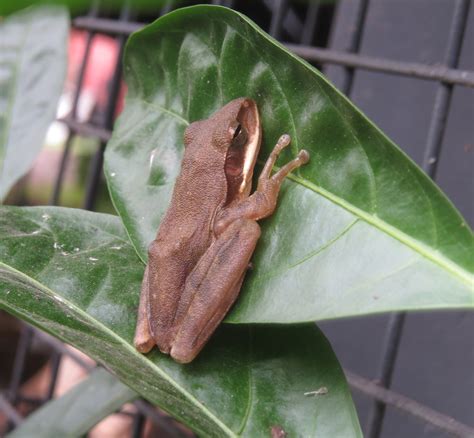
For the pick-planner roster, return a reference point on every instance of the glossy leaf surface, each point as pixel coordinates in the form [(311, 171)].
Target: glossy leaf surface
[(360, 229), (33, 58), (77, 411), (75, 275)]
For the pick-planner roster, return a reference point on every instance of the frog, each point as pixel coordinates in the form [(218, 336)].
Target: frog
[(205, 241)]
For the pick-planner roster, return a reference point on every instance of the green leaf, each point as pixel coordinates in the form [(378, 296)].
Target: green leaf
[(77, 411), (75, 275), (33, 57), (359, 230)]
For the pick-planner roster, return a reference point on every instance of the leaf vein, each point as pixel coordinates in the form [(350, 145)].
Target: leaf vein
[(390, 230), (311, 254), (373, 186), (160, 108)]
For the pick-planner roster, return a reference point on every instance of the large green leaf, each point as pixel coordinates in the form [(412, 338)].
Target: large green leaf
[(360, 229), (77, 411), (75, 275), (33, 61)]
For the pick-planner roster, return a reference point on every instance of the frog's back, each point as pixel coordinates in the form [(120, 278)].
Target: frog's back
[(201, 187), (200, 190)]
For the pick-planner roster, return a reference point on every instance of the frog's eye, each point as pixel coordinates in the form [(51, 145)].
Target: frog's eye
[(239, 137), (237, 132)]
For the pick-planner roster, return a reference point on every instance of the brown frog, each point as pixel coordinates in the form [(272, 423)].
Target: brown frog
[(198, 260)]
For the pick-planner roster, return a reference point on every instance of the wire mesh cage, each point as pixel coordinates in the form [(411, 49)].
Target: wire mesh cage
[(333, 36)]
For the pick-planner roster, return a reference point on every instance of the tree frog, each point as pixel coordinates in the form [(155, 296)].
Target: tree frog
[(198, 260)]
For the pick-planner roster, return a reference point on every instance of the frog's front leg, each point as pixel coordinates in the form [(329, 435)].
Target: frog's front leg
[(262, 202), (212, 287)]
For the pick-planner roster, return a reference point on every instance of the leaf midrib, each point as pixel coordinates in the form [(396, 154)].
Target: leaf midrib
[(421, 248), (75, 309)]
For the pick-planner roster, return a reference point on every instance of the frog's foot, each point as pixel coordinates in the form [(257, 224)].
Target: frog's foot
[(143, 341)]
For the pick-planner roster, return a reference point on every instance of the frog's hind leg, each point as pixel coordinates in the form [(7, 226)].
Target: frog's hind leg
[(166, 279), (143, 340), (212, 288)]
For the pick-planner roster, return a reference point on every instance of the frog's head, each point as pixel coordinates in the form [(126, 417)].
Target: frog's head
[(238, 132)]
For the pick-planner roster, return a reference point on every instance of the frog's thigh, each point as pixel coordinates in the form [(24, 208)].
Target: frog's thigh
[(143, 340), (214, 284), (166, 277)]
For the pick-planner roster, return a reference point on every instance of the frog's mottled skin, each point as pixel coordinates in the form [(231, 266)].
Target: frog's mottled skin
[(198, 260)]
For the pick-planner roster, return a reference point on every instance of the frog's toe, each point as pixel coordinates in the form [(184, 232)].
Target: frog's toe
[(143, 343), (163, 343), (182, 355)]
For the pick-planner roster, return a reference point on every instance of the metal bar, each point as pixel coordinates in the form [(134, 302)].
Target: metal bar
[(444, 92), (35, 401), (391, 343), (19, 362), (354, 44), (317, 54), (87, 129), (163, 421), (226, 3), (55, 363), (77, 92), (54, 200), (97, 161), (309, 26), (168, 7), (410, 406), (62, 348), (412, 69), (107, 26), (19, 367), (137, 424), (9, 410), (279, 9), (431, 158)]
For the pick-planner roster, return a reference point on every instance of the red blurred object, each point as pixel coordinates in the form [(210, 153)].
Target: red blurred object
[(94, 94), (99, 69)]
